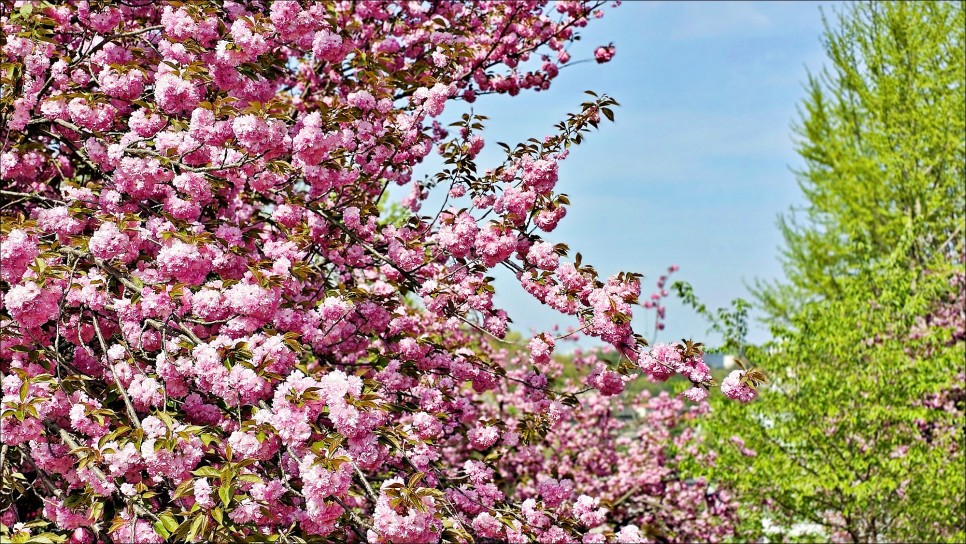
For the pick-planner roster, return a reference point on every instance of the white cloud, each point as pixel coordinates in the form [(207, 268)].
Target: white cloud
[(719, 19)]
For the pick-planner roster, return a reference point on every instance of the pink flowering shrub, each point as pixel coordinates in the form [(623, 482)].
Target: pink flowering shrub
[(605, 466), (212, 331)]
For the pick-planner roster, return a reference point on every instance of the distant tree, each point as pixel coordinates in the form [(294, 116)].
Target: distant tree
[(881, 132)]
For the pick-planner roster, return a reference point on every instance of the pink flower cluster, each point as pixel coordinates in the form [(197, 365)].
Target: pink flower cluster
[(215, 327), (664, 360), (734, 387), (405, 525)]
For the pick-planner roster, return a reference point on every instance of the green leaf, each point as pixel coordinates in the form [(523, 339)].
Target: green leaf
[(225, 492), (207, 472), (195, 526), (218, 515), (162, 531)]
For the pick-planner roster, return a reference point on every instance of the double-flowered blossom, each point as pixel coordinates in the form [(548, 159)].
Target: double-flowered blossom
[(17, 253), (735, 388), (215, 326), (411, 524)]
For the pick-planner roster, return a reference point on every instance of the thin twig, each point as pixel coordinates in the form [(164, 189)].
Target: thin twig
[(365, 482), (127, 401)]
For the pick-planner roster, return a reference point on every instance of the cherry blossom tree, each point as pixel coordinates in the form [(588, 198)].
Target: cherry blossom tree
[(213, 330)]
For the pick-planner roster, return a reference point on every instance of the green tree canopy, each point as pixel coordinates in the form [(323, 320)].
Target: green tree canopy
[(881, 132), (860, 430)]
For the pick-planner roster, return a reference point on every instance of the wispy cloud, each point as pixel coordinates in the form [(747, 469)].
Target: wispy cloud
[(696, 167), (702, 20)]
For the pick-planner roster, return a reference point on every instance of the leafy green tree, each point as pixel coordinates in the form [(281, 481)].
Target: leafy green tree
[(881, 132), (858, 436), (858, 431)]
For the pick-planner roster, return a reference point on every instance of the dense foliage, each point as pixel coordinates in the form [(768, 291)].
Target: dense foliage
[(881, 137), (859, 436), (213, 331)]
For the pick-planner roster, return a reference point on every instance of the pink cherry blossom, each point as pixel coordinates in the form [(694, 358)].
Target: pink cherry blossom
[(231, 303)]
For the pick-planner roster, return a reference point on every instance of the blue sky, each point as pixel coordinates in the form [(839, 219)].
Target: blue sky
[(698, 164)]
